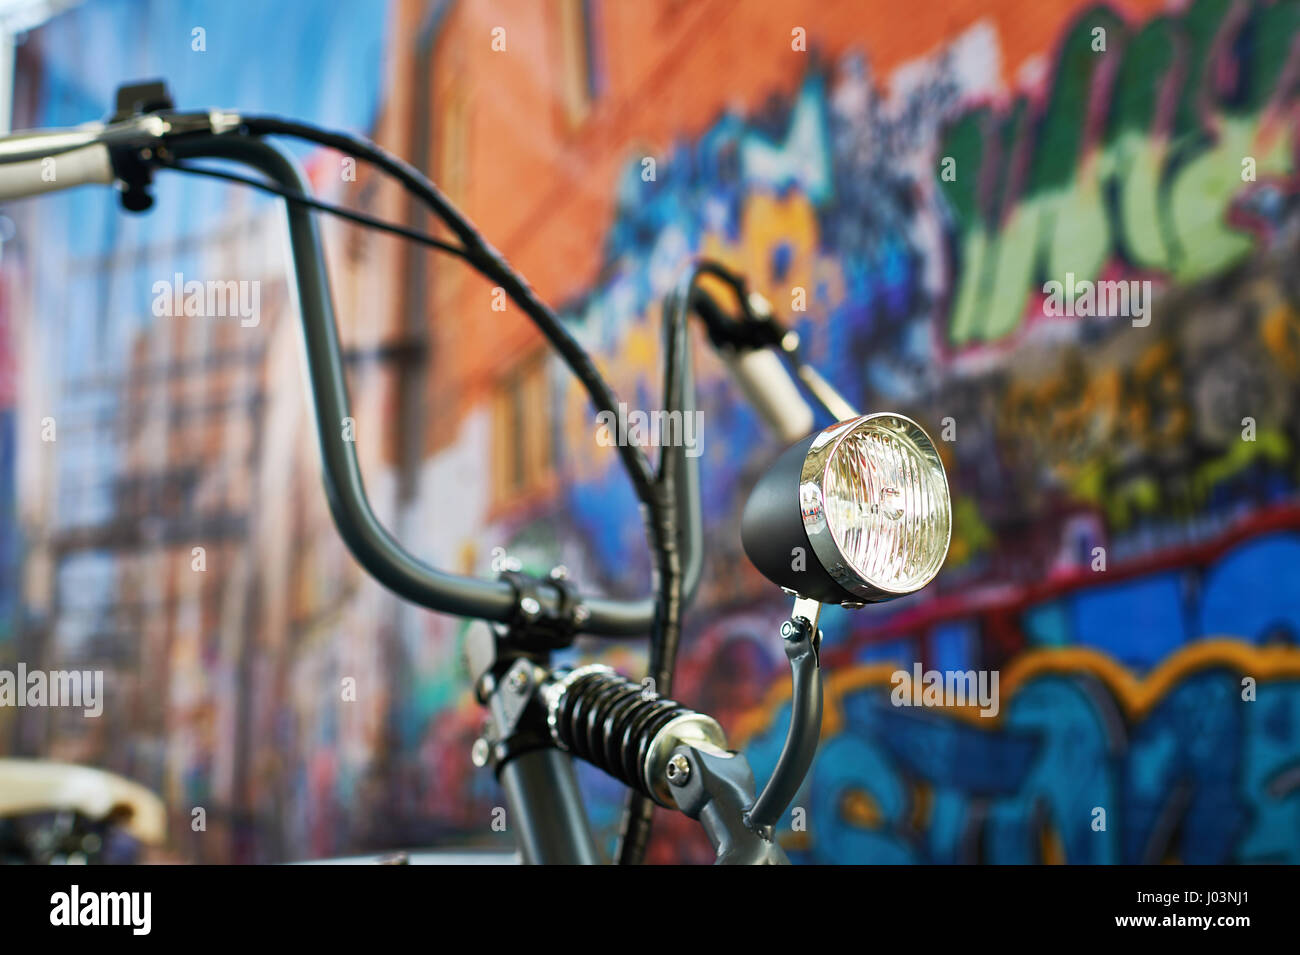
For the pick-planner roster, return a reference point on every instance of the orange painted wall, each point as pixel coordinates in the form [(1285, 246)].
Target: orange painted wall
[(543, 190)]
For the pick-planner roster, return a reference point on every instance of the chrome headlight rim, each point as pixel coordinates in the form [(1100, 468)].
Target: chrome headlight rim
[(812, 503)]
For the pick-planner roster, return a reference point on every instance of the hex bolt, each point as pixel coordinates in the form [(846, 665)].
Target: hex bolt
[(559, 572), (678, 771), (530, 606)]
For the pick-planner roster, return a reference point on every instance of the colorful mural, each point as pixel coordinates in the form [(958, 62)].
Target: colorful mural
[(1157, 444), (1126, 517), (1192, 759)]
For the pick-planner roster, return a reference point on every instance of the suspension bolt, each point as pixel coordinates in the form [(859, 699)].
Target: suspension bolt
[(678, 771)]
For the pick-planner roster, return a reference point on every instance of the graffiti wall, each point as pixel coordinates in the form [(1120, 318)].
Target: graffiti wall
[(1124, 490), (914, 196)]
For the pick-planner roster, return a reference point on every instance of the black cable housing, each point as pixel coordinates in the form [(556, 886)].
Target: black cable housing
[(666, 635), (311, 202)]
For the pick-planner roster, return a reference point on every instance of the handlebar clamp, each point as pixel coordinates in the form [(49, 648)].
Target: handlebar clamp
[(539, 621), (133, 172)]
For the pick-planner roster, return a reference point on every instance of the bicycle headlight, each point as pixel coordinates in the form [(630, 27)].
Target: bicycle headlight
[(858, 513)]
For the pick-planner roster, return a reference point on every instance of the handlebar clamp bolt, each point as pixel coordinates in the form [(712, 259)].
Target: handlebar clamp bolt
[(678, 770)]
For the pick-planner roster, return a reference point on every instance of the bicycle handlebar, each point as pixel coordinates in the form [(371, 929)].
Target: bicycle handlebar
[(85, 156), (42, 143), (37, 162), (77, 167)]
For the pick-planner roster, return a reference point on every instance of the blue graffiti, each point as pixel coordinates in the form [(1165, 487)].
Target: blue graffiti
[(1209, 773), (1206, 778)]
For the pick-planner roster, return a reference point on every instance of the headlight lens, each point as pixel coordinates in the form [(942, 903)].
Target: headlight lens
[(876, 491)]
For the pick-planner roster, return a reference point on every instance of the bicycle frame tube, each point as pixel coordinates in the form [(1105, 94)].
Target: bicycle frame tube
[(546, 809), (370, 542)]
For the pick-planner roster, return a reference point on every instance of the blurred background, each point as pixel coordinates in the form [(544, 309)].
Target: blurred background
[(805, 144)]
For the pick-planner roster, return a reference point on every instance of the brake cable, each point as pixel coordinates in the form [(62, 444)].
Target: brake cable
[(319, 205)]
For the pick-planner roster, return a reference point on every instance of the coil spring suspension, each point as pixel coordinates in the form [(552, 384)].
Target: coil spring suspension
[(614, 724)]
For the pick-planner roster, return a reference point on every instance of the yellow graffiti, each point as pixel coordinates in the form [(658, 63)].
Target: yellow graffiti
[(1280, 330)]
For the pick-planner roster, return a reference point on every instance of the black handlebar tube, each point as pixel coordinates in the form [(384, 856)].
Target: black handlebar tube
[(370, 542)]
